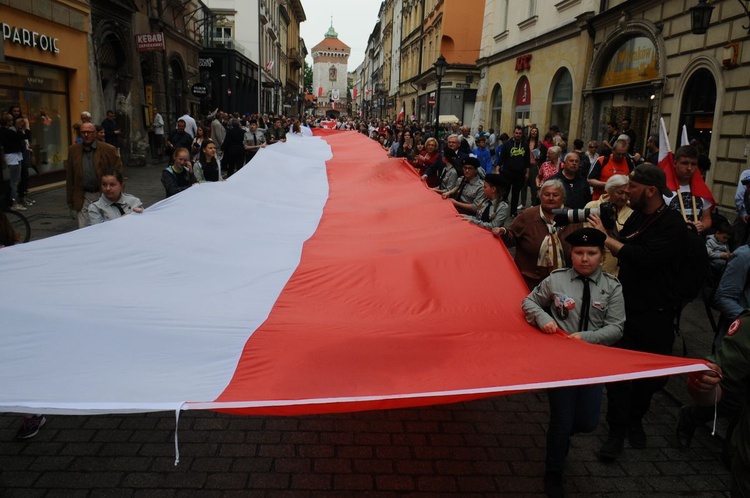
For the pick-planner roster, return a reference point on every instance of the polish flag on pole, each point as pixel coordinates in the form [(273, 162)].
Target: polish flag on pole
[(684, 140), (698, 187), (402, 114)]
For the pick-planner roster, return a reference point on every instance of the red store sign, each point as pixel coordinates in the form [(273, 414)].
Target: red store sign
[(523, 62)]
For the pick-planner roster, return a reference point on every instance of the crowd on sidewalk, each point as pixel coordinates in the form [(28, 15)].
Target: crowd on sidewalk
[(610, 244)]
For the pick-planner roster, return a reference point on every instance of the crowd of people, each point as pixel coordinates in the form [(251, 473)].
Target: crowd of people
[(600, 235)]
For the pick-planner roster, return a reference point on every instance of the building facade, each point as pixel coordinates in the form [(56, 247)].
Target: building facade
[(44, 68), (662, 69), (533, 65), (330, 68), (450, 29)]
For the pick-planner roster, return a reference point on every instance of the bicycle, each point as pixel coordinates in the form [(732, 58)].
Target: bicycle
[(20, 225)]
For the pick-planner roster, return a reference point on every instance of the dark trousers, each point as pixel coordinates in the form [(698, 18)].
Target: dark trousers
[(740, 487), (23, 186), (650, 331), (571, 410), (232, 161), (531, 184), (517, 181)]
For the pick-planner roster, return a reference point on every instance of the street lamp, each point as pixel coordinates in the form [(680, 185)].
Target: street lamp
[(700, 17), (440, 67)]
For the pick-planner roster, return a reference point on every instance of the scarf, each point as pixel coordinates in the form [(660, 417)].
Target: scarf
[(551, 255)]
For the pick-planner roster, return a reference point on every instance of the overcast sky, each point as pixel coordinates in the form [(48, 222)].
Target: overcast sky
[(353, 20)]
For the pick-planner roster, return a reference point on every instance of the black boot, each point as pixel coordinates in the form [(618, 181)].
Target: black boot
[(611, 449), (554, 485)]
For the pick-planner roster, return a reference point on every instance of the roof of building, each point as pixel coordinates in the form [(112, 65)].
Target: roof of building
[(331, 42)]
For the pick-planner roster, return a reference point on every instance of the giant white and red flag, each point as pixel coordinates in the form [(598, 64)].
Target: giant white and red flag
[(322, 277)]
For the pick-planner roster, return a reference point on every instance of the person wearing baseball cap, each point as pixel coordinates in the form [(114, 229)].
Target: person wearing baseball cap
[(649, 248)]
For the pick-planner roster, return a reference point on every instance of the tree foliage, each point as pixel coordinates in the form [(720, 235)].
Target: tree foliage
[(308, 77)]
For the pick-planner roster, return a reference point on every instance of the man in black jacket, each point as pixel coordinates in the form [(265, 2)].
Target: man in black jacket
[(515, 161), (649, 250), (577, 191)]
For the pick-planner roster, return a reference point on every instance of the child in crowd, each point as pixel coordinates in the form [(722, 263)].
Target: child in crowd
[(113, 202), (718, 250), (483, 154)]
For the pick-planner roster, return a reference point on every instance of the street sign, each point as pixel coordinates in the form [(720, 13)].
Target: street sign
[(199, 90)]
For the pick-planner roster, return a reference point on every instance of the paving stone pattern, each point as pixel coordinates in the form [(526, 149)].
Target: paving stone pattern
[(489, 447)]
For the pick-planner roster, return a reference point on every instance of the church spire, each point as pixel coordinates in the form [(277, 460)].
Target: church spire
[(331, 33)]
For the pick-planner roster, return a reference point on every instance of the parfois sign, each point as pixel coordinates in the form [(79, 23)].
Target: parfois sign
[(28, 38)]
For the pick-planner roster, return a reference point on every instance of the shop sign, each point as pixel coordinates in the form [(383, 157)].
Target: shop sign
[(523, 97), (633, 62), (27, 38), (208, 62), (523, 62), (199, 90), (150, 41), (463, 85)]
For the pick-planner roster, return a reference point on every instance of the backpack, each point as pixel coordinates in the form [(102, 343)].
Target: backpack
[(694, 266)]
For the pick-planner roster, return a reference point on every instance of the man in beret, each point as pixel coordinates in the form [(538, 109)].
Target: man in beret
[(649, 250)]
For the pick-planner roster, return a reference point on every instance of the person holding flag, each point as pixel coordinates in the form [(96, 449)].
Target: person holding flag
[(401, 114), (695, 201)]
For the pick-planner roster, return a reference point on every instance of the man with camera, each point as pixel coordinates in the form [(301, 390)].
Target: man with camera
[(648, 247), (577, 191)]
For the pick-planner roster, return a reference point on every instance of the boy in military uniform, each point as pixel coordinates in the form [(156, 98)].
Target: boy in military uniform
[(730, 371), (587, 304)]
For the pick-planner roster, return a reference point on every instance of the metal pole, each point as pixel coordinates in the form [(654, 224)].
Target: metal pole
[(437, 111)]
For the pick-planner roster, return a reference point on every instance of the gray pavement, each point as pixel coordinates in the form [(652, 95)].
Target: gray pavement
[(490, 447)]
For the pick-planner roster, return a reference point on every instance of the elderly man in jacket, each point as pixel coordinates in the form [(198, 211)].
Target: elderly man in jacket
[(86, 162)]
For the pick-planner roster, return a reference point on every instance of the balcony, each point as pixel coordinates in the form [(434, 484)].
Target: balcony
[(263, 16), (295, 58)]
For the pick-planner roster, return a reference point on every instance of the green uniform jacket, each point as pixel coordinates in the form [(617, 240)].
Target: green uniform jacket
[(734, 360)]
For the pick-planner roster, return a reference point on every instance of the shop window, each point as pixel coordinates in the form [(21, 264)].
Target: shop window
[(42, 94), (562, 100), (497, 108), (698, 106)]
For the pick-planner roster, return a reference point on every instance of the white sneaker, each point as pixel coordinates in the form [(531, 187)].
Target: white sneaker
[(29, 201), (18, 207), (520, 207)]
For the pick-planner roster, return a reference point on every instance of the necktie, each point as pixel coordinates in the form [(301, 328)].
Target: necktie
[(255, 138), (583, 323), (460, 190), (486, 213), (119, 208)]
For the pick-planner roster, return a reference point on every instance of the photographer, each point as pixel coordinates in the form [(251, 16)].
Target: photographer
[(649, 247)]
